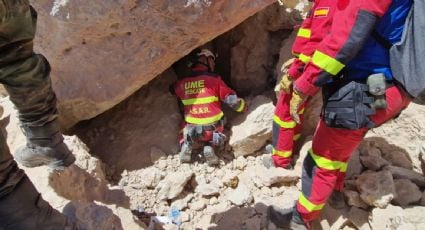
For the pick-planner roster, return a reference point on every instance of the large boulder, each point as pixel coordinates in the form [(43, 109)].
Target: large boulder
[(103, 51), (126, 129), (251, 131)]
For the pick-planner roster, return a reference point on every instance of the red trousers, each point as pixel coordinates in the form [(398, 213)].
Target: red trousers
[(285, 131), (325, 166)]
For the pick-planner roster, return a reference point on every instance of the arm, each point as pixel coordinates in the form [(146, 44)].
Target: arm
[(321, 20), (229, 97), (353, 24), (301, 41)]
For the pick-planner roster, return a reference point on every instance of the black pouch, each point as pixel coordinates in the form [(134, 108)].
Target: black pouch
[(347, 106)]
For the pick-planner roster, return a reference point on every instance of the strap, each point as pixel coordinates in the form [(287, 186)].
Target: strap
[(381, 40)]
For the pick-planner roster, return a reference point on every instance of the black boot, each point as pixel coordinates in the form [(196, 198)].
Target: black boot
[(24, 208), (285, 218), (44, 147), (336, 200)]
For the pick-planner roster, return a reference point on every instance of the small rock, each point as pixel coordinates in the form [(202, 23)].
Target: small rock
[(198, 205), (204, 222), (240, 163), (208, 189), (184, 217), (263, 176), (400, 159), (407, 192), (231, 181), (253, 223), (359, 218), (181, 204), (354, 165), (240, 196), (376, 188), (353, 199), (213, 201), (162, 164), (173, 185), (150, 178), (402, 173), (373, 162)]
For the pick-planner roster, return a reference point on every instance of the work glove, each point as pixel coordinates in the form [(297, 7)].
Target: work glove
[(295, 104), (286, 81)]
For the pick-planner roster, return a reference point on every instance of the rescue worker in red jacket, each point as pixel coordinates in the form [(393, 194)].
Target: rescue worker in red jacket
[(347, 64), (201, 95), (285, 130)]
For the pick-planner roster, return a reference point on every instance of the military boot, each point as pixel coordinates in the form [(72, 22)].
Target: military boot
[(185, 153), (24, 208), (210, 156), (44, 147), (285, 218)]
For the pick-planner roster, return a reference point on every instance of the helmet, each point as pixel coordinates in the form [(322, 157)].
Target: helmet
[(206, 53)]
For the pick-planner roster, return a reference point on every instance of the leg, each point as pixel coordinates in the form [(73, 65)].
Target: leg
[(285, 132), (21, 206), (327, 161), (186, 148), (26, 78)]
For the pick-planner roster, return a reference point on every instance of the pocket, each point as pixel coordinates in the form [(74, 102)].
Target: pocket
[(349, 107)]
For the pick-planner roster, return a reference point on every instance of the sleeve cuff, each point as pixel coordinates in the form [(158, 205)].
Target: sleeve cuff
[(306, 87), (296, 69)]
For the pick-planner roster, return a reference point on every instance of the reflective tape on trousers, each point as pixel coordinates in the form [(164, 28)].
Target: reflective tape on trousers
[(204, 120), (325, 163)]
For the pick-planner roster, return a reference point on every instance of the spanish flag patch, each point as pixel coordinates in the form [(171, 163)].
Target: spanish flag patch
[(321, 12)]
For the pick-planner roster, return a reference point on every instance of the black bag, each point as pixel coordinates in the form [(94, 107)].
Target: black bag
[(347, 106)]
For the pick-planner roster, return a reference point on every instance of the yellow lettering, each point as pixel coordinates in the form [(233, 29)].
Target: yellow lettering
[(202, 110), (201, 84), (194, 84)]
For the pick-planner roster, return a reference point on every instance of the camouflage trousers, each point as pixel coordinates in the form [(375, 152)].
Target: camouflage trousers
[(25, 76)]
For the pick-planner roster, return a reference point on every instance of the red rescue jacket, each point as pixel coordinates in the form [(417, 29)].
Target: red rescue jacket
[(201, 96), (353, 23)]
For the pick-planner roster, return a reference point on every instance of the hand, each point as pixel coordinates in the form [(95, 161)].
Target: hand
[(286, 83), (297, 100)]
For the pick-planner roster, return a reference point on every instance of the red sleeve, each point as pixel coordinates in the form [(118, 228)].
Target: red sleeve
[(353, 22), (223, 89), (303, 35)]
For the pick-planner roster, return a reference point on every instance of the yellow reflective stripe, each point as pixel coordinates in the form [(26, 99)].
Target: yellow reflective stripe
[(295, 54), (304, 33), (242, 106), (204, 120), (284, 154), (200, 101), (327, 164), (297, 137), (327, 63), (304, 58), (308, 205), (284, 124)]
